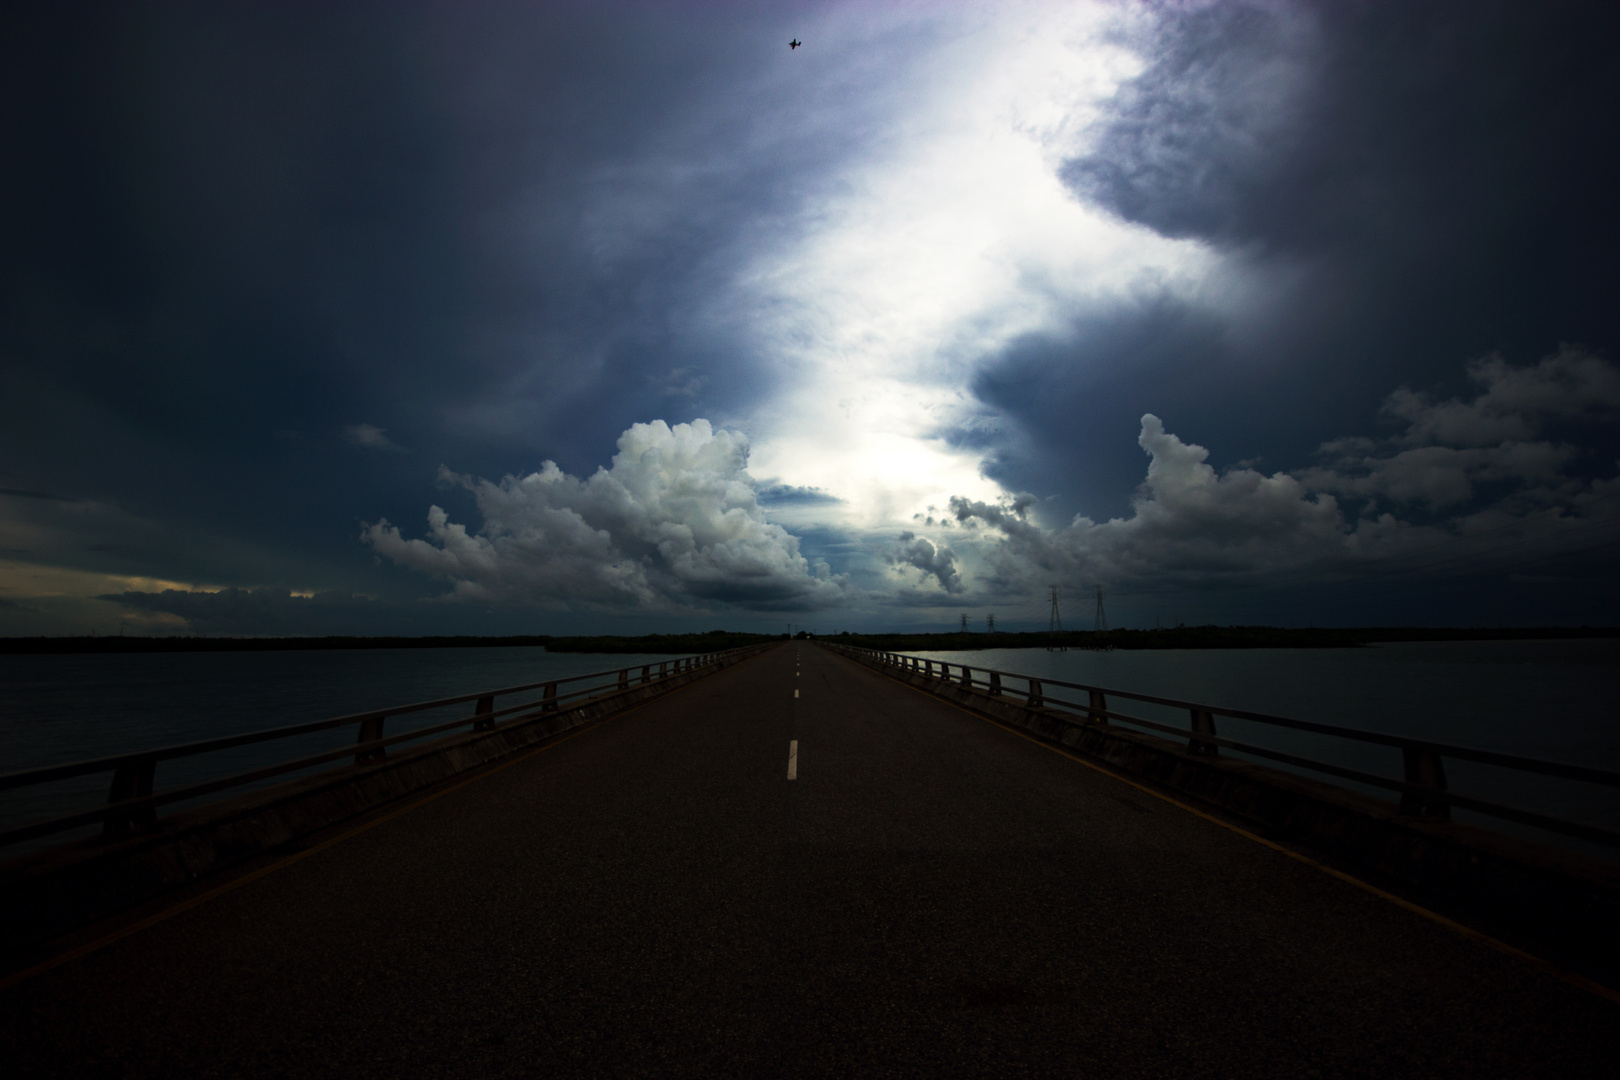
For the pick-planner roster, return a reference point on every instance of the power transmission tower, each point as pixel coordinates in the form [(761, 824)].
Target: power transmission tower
[(964, 622), (1102, 615), (1055, 626), (990, 623)]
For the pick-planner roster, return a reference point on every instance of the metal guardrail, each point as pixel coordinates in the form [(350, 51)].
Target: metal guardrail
[(132, 803), (1423, 789)]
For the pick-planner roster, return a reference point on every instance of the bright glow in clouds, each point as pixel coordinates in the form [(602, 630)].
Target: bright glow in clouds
[(676, 521), (902, 271), (937, 254)]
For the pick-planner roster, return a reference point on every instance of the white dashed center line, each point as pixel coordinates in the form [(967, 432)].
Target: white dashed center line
[(793, 760), (795, 692)]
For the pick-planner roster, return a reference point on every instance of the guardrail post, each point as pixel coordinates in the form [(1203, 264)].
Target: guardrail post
[(995, 684), (1203, 723), (646, 673), (131, 780), (1426, 769), (1424, 791), (624, 679), (371, 729)]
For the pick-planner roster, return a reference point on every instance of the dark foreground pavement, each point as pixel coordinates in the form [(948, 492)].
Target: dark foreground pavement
[(932, 895)]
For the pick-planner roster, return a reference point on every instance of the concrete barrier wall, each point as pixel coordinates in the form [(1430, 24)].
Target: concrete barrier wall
[(1555, 894), (48, 893)]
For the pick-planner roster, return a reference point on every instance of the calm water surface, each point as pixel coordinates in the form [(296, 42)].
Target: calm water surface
[(56, 709), (1554, 700)]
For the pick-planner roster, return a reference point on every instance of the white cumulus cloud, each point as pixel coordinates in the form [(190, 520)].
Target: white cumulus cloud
[(1190, 525), (1479, 460), (674, 522)]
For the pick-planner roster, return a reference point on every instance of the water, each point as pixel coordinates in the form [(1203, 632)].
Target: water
[(57, 709), (1552, 700)]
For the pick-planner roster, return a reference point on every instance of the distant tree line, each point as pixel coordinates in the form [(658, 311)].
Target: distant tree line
[(1180, 637), (713, 641), (170, 644), (1214, 637)]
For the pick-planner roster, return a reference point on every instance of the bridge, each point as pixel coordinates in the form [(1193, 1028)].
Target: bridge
[(797, 865)]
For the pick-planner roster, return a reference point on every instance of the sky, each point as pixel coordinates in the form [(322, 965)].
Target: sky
[(558, 317)]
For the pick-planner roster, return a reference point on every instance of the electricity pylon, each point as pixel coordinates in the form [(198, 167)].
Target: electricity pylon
[(964, 622), (1055, 626), (1102, 615), (990, 623)]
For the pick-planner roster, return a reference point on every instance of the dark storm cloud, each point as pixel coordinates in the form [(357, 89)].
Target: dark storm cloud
[(1423, 523), (935, 561), (265, 268), (796, 495), (237, 241), (1395, 189)]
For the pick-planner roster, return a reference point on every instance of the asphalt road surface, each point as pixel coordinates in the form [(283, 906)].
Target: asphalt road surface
[(930, 895)]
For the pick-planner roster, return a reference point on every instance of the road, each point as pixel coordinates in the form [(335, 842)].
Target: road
[(930, 895)]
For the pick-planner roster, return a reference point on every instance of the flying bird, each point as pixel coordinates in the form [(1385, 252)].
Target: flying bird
[(795, 43)]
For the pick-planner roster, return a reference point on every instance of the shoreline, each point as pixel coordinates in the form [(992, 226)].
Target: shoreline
[(1182, 637)]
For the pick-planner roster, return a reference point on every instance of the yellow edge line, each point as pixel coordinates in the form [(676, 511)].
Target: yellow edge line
[(1433, 916), (186, 905)]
